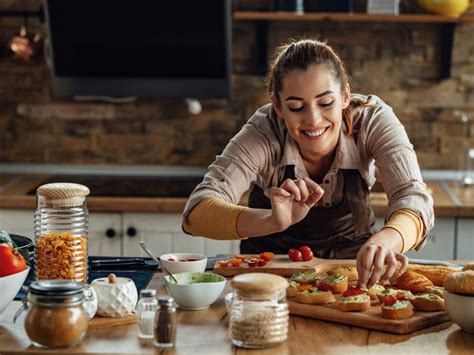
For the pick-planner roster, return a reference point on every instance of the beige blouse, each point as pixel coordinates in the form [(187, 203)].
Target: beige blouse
[(259, 153)]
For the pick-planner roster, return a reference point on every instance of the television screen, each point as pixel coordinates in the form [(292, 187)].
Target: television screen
[(143, 48)]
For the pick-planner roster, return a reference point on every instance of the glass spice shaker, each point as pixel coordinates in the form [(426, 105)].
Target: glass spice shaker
[(146, 310), (259, 313), (165, 323), (61, 231)]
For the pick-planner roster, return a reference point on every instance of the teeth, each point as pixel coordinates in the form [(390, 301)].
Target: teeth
[(315, 133)]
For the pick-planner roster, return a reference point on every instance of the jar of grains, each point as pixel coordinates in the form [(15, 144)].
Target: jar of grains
[(61, 229), (259, 312), (56, 317)]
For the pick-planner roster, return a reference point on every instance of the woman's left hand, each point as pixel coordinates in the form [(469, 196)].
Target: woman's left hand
[(378, 258)]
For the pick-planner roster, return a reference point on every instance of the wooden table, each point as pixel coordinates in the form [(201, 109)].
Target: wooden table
[(205, 332)]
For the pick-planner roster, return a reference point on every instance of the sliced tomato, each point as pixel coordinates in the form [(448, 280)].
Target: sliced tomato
[(324, 287), (241, 257), (401, 296), (267, 255), (223, 262), (303, 287), (262, 262), (389, 300), (252, 262), (353, 291), (236, 262)]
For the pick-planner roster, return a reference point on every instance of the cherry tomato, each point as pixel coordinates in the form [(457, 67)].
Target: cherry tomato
[(401, 296), (303, 287), (236, 262), (267, 255), (389, 300), (223, 262), (252, 262), (171, 259), (11, 261), (353, 291), (295, 255), (262, 262), (307, 253), (324, 287), (241, 257)]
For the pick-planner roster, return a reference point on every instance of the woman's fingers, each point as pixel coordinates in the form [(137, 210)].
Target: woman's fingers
[(304, 192), (365, 259), (392, 265), (378, 266), (290, 186), (404, 260), (278, 191), (316, 192)]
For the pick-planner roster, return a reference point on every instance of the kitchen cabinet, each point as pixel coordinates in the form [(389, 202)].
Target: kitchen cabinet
[(465, 239), (440, 243)]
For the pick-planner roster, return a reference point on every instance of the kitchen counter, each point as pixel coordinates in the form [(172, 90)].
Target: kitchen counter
[(450, 200), (205, 332)]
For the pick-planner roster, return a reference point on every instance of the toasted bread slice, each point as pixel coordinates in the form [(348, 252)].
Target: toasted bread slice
[(436, 290), (356, 303), (292, 288), (334, 283), (374, 291), (315, 296), (435, 273), (306, 277), (413, 282), (345, 270), (399, 310), (427, 302), (407, 295)]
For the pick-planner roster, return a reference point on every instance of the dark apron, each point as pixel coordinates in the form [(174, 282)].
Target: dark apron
[(336, 232)]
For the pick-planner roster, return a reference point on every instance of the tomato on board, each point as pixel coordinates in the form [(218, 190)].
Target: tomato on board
[(223, 262), (267, 255), (306, 252), (389, 300), (11, 261), (353, 291), (236, 262), (262, 262), (252, 262), (295, 255)]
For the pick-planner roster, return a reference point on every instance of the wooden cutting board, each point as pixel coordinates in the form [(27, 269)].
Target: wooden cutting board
[(282, 265), (103, 322), (370, 319)]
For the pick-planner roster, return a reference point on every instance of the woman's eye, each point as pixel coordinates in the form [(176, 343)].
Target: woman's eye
[(296, 109), (327, 104)]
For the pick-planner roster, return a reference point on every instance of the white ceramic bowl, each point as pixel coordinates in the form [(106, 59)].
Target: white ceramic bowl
[(461, 310), (177, 266), (195, 290), (9, 287)]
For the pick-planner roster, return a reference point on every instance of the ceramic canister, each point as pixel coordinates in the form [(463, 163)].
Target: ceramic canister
[(116, 296)]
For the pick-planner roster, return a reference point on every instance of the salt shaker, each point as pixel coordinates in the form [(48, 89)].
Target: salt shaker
[(165, 323), (146, 310)]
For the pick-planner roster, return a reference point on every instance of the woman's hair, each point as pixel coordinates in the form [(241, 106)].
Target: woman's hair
[(301, 54)]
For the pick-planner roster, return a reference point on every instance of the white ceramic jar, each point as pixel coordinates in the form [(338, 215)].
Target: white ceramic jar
[(116, 296)]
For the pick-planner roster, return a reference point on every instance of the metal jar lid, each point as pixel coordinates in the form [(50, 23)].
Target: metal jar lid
[(56, 292)]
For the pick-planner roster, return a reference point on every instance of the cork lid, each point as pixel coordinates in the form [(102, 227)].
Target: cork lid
[(257, 285), (62, 194)]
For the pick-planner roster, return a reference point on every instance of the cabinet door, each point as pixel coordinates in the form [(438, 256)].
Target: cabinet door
[(465, 247), (105, 233), (440, 242), (18, 222)]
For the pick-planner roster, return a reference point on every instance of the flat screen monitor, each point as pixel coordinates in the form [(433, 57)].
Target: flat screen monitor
[(140, 48)]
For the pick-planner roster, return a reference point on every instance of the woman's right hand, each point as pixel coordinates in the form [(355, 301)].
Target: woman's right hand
[(292, 201)]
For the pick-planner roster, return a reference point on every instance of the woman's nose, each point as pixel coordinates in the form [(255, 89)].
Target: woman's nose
[(313, 116)]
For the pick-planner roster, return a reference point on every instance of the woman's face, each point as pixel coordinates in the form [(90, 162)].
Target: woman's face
[(311, 104)]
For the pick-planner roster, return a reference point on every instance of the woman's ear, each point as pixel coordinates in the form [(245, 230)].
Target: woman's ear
[(276, 106), (346, 96)]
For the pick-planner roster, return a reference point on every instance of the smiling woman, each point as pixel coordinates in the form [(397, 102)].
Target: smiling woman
[(309, 158)]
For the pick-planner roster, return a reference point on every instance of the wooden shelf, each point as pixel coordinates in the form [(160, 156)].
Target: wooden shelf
[(348, 17)]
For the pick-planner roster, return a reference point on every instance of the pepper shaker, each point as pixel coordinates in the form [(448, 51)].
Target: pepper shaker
[(165, 323), (146, 310)]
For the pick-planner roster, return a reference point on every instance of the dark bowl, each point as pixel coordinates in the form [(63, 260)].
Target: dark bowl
[(24, 245)]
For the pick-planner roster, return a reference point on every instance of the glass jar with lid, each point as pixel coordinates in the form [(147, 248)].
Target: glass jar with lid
[(258, 312), (61, 232), (56, 317)]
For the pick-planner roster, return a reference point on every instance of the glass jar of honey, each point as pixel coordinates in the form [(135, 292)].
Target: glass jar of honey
[(61, 231), (56, 317)]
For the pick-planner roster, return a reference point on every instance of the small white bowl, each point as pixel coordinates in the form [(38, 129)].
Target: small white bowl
[(178, 266), (195, 290), (461, 310), (9, 287)]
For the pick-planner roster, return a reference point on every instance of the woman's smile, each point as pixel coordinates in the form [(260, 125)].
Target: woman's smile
[(315, 134)]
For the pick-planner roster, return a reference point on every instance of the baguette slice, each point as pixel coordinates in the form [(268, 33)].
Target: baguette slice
[(400, 310), (436, 290), (334, 283), (306, 277), (292, 289), (357, 303), (345, 270), (393, 292), (428, 302), (315, 296), (374, 291)]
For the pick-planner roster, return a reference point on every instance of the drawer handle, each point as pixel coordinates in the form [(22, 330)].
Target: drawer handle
[(131, 231), (110, 233)]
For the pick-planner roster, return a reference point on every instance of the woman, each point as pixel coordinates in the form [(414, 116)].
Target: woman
[(309, 159)]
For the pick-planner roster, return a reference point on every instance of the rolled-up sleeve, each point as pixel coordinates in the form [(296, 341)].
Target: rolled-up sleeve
[(388, 143), (243, 160)]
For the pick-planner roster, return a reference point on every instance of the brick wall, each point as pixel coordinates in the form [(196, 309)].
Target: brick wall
[(399, 62)]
